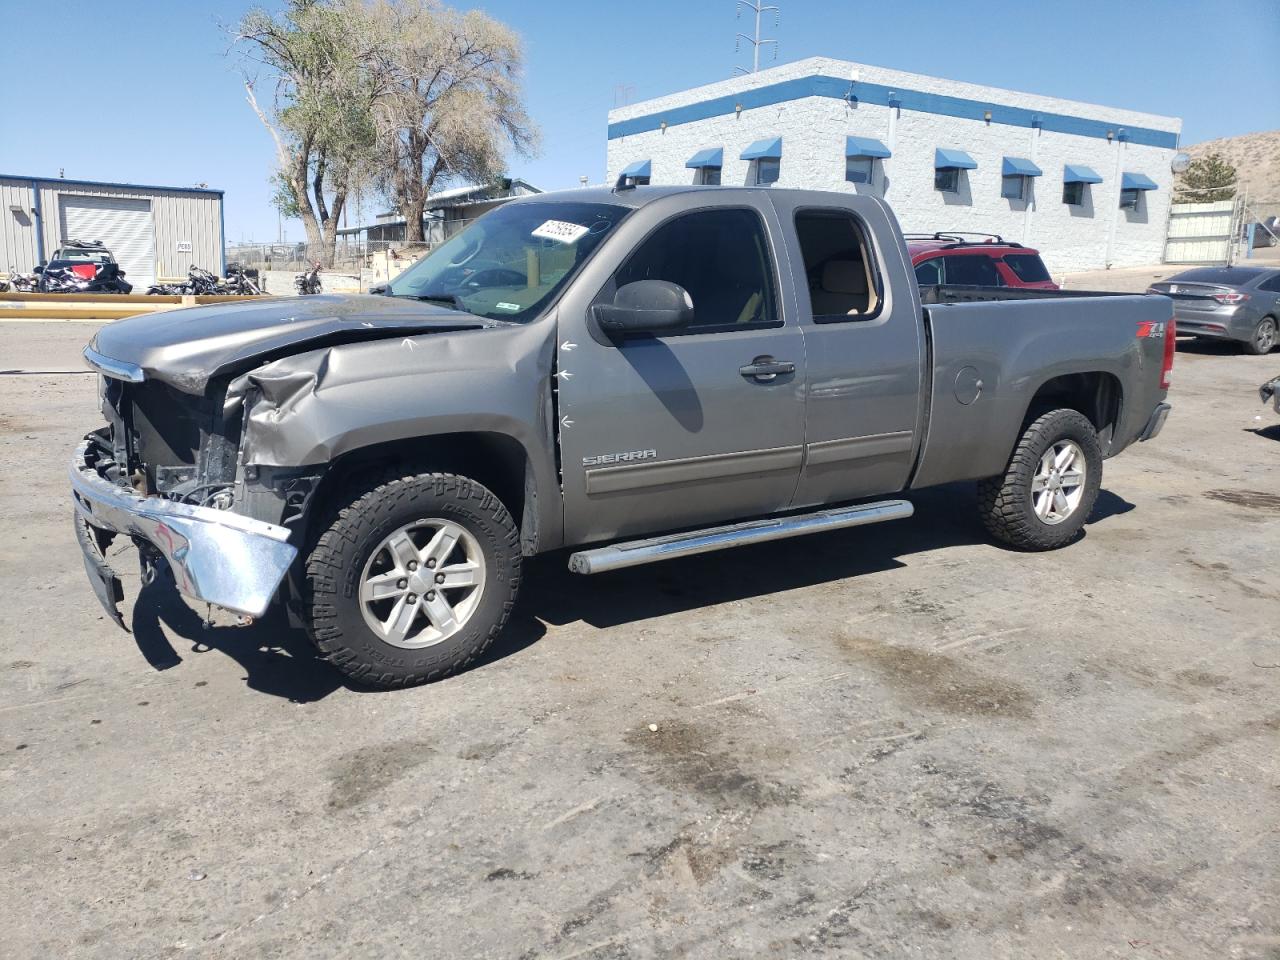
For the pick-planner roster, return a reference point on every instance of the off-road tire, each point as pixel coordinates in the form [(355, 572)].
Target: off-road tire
[(1264, 338), (359, 519), (1004, 502)]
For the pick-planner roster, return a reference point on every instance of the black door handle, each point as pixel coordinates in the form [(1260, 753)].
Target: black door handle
[(764, 369)]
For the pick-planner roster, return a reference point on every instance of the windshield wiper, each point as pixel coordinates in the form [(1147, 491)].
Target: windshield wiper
[(451, 299)]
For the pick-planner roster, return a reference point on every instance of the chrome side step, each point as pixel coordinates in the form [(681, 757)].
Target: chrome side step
[(636, 552)]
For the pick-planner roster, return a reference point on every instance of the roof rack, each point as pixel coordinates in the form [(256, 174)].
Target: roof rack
[(956, 238)]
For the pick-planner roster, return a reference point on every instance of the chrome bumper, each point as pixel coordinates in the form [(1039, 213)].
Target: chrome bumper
[(218, 557), (1156, 422)]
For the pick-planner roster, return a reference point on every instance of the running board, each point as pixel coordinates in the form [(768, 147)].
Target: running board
[(636, 552)]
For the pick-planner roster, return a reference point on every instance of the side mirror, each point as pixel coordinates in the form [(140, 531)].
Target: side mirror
[(38, 268), (646, 306)]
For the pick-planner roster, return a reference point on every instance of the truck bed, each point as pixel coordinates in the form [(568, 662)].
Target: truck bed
[(996, 352)]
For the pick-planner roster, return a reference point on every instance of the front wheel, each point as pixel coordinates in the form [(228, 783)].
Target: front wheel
[(1263, 339), (1049, 488), (411, 579)]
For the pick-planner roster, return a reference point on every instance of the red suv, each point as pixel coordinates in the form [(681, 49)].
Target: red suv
[(948, 258)]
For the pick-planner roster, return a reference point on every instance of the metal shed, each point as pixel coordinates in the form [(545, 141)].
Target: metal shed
[(152, 231)]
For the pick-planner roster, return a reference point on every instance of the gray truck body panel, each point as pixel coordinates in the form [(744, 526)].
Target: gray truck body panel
[(633, 436)]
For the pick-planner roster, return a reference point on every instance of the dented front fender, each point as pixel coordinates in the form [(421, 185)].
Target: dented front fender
[(316, 407)]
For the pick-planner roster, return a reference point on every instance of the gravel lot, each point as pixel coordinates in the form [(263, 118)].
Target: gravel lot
[(888, 742)]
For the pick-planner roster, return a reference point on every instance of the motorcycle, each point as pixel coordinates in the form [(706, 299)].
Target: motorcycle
[(23, 282), (240, 282), (199, 282), (309, 282)]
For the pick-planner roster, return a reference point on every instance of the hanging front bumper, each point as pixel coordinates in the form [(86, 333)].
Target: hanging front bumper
[(216, 556)]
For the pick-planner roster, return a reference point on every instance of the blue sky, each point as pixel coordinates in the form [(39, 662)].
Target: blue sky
[(179, 115)]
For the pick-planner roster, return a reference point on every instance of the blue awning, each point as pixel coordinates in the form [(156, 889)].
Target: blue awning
[(768, 147), (1020, 167), (1078, 173), (1137, 181), (711, 157), (640, 168), (953, 160), (865, 147)]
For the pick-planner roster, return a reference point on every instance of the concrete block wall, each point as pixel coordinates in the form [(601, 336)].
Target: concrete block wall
[(813, 130)]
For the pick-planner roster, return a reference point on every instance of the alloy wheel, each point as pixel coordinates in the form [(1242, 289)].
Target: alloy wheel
[(1264, 338), (422, 583), (1058, 484)]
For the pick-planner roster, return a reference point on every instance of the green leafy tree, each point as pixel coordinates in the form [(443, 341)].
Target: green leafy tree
[(1208, 179)]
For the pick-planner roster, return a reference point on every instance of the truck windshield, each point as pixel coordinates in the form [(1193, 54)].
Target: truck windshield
[(512, 261)]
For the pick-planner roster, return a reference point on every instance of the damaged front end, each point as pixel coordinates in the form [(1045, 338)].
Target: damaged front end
[(165, 473)]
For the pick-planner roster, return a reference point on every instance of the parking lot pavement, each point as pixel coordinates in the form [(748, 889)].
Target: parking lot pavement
[(893, 741)]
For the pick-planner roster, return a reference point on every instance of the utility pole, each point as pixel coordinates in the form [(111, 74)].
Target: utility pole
[(757, 7)]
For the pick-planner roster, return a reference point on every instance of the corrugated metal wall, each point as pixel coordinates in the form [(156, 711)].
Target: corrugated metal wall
[(180, 217), (17, 226)]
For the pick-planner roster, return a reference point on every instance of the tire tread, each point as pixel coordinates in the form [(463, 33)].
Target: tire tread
[(340, 526), (1002, 500)]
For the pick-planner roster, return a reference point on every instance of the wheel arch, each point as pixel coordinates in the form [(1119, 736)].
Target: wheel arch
[(1096, 394), (497, 460)]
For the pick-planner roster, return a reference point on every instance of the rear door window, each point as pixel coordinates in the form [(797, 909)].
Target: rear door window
[(1027, 267), (840, 270), (972, 271)]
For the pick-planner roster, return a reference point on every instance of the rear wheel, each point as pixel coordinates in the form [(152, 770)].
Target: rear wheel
[(411, 579), (1049, 488), (1264, 338)]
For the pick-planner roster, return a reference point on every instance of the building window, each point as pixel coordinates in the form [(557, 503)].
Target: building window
[(859, 169), (1129, 199), (1073, 194), (1013, 187), (947, 179), (768, 169), (707, 176)]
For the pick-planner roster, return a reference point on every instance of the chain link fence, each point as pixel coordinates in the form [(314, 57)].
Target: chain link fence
[(351, 250), (370, 259)]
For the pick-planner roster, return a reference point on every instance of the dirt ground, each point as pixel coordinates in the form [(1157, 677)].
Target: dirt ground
[(897, 741)]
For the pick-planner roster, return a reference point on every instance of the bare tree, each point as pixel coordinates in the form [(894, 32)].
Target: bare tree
[(321, 57), (450, 104)]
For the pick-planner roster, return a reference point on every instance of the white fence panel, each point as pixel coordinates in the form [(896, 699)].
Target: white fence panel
[(1200, 232)]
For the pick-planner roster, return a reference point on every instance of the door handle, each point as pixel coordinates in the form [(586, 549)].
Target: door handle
[(764, 369)]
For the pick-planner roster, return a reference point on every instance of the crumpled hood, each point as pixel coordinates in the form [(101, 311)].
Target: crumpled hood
[(186, 348)]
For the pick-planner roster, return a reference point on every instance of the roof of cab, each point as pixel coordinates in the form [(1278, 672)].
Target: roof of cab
[(636, 197)]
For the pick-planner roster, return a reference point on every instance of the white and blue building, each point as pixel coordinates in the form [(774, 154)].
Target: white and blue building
[(1089, 186)]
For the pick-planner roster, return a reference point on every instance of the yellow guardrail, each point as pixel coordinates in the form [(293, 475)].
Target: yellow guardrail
[(90, 306)]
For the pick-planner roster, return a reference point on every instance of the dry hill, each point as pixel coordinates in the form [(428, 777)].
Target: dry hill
[(1256, 157)]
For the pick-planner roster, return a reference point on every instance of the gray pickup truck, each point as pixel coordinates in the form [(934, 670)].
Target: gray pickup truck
[(636, 374)]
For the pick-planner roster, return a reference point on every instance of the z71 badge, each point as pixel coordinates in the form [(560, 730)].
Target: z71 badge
[(619, 457)]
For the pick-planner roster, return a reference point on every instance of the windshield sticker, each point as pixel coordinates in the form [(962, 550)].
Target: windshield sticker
[(507, 306), (560, 231)]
